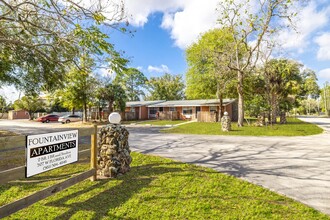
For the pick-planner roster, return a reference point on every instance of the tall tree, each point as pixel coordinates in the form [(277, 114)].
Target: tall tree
[(166, 87), (133, 81), (256, 95), (57, 106), (310, 87), (39, 39), (115, 95), (208, 75), (250, 24), (79, 86), (3, 106), (282, 79), (310, 91), (28, 103), (308, 106), (279, 85), (325, 94)]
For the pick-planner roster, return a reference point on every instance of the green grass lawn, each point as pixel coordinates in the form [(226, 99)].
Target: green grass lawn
[(129, 122), (155, 188), (294, 127), (162, 122)]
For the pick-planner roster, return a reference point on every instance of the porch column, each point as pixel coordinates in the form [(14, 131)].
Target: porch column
[(140, 114)]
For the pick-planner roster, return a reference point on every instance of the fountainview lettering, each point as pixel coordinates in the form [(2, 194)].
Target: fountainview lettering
[(51, 138), (44, 150)]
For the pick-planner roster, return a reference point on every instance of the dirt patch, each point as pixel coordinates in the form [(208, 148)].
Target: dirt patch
[(7, 133)]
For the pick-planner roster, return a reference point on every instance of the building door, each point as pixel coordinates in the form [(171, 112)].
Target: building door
[(198, 109)]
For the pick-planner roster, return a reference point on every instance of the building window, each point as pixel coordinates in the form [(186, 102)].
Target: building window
[(187, 110), (161, 109), (153, 111), (213, 108), (172, 109), (132, 109)]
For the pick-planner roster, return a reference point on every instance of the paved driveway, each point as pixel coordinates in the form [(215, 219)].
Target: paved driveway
[(27, 127), (298, 167)]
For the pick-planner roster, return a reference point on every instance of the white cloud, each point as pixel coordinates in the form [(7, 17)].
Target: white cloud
[(324, 43), (187, 19), (184, 19), (308, 20), (138, 11), (107, 73), (159, 69), (324, 74), (185, 26)]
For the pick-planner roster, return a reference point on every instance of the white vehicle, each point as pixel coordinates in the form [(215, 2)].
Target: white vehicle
[(69, 118)]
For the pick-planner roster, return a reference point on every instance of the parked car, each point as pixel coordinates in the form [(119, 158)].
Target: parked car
[(48, 118), (69, 118)]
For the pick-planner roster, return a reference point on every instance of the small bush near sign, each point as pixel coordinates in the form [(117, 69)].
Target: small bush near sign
[(48, 151)]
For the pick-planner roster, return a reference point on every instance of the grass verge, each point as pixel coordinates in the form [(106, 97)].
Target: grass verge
[(294, 127), (162, 122), (156, 188)]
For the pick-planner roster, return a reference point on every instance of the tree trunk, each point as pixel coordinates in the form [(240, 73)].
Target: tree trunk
[(73, 110), (220, 108), (269, 110), (110, 107), (85, 112), (283, 118), (99, 111), (240, 99), (273, 108), (132, 91), (30, 115)]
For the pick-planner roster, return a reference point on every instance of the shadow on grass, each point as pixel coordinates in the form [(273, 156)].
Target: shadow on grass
[(32, 183), (235, 130), (113, 196)]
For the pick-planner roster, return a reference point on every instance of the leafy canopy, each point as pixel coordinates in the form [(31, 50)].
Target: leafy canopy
[(79, 86), (28, 103), (166, 87), (133, 81), (251, 21), (40, 39), (208, 75), (114, 94)]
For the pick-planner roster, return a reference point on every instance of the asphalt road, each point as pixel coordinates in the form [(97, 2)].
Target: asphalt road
[(26, 127), (298, 167)]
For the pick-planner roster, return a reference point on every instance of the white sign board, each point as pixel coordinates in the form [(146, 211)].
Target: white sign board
[(48, 151)]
